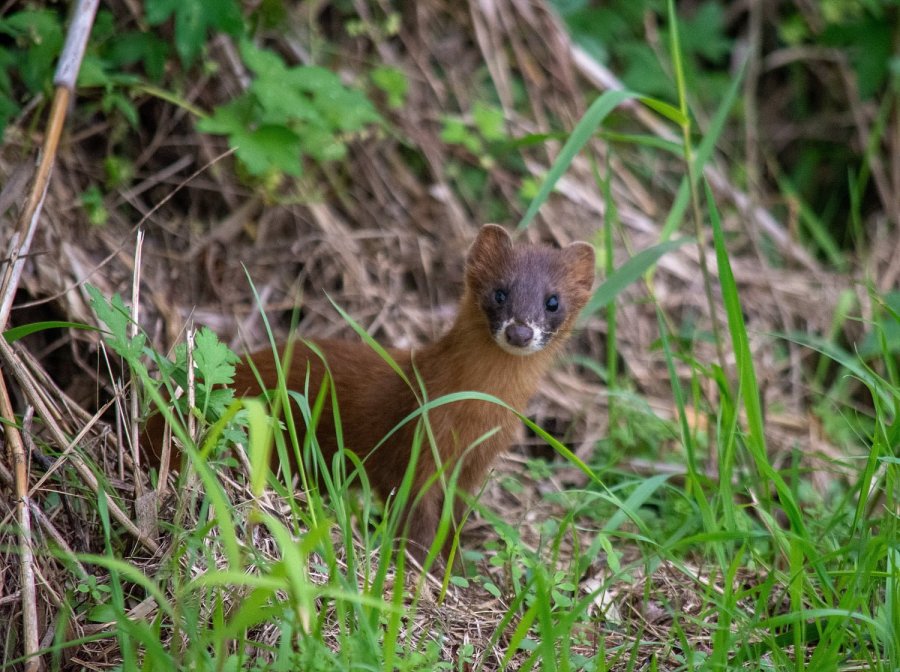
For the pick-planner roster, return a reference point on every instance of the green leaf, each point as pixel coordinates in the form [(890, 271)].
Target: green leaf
[(260, 149), (121, 103), (190, 30), (140, 47), (194, 19), (628, 272), (102, 613), (8, 110), (215, 360), (288, 113), (643, 71), (306, 93), (261, 61), (92, 73), (116, 316), (321, 144), (703, 33), (233, 117), (670, 112), (158, 11), (346, 109), (869, 44), (490, 121), (41, 34), (268, 147), (455, 132), (92, 202), (394, 84)]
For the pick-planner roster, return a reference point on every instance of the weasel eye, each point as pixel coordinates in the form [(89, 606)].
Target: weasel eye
[(500, 296), (552, 303)]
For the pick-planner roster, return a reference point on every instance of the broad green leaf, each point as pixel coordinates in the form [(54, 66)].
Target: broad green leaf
[(116, 316), (489, 121), (268, 147), (194, 19), (233, 117)]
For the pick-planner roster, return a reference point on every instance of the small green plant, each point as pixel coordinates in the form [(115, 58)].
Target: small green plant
[(614, 32), (92, 202), (37, 38), (487, 127), (393, 83), (289, 113), (486, 143), (98, 593), (194, 21)]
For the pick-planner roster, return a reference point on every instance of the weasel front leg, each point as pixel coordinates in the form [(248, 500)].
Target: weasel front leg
[(422, 522)]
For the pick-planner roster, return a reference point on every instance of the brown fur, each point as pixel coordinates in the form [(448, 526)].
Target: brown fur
[(373, 399)]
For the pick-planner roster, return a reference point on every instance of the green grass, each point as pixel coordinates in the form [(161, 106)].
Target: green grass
[(744, 566), (733, 559)]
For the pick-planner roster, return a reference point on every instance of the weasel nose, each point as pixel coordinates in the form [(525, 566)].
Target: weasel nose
[(519, 335)]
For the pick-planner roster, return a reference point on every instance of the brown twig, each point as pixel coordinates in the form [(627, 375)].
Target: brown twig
[(26, 553), (28, 219), (11, 363)]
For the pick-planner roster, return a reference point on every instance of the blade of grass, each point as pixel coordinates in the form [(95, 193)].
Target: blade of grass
[(702, 156), (581, 134), (629, 272), (749, 395), (694, 483), (15, 333), (610, 220)]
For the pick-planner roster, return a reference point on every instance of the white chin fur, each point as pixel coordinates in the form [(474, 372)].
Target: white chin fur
[(536, 344)]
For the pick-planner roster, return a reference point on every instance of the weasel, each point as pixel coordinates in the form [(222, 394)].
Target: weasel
[(517, 310)]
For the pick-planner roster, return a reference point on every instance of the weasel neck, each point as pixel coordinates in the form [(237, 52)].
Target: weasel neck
[(467, 358)]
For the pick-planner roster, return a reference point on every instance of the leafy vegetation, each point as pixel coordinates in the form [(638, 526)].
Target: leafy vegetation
[(853, 69), (691, 536)]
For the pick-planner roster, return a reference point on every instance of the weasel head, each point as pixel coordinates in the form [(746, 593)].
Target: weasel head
[(529, 295)]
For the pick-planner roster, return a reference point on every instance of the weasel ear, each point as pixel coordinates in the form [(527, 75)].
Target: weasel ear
[(489, 247), (580, 261)]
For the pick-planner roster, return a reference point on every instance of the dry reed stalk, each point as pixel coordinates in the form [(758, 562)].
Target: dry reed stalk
[(69, 64), (134, 415), (32, 393), (26, 552)]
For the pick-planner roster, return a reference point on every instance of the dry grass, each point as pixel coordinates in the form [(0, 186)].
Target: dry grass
[(386, 241)]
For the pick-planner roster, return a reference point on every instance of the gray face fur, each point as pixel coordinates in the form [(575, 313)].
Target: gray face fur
[(526, 301), (528, 294)]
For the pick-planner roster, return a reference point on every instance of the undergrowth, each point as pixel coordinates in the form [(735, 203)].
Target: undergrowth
[(774, 571)]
